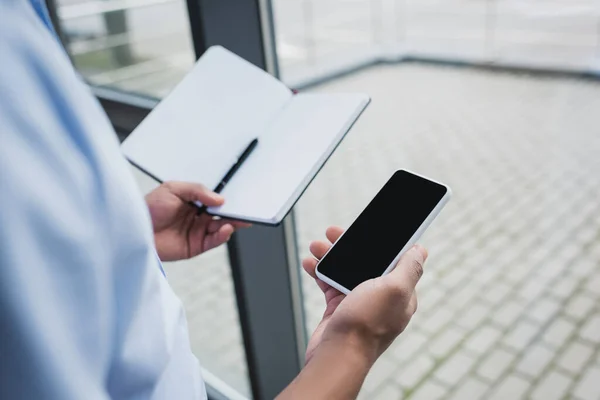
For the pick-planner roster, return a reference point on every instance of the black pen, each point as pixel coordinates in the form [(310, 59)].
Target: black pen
[(245, 154)]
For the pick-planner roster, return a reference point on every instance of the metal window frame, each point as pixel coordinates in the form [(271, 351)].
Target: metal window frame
[(263, 260)]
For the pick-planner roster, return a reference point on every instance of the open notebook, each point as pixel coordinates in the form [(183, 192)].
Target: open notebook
[(200, 129)]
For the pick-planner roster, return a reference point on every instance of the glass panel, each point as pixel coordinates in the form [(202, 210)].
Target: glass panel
[(315, 37), (205, 287), (510, 302), (137, 46), (318, 38), (452, 29), (555, 34)]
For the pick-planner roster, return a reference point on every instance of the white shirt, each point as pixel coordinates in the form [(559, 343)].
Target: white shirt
[(85, 310)]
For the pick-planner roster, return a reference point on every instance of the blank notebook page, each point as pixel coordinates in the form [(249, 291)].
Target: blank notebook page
[(197, 132), (288, 152)]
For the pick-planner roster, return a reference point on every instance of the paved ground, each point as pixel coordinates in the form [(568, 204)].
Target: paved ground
[(510, 302)]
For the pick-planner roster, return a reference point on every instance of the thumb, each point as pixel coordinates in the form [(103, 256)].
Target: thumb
[(409, 269), (195, 192)]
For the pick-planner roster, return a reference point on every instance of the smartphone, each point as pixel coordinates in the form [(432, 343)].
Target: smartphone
[(390, 225)]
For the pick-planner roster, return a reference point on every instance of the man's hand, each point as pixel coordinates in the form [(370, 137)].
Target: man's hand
[(180, 233), (376, 311), (355, 329), (333, 297)]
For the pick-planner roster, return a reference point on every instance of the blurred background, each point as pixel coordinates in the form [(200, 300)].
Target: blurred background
[(145, 45), (497, 98)]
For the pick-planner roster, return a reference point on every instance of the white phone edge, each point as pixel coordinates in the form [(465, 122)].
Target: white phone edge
[(411, 242)]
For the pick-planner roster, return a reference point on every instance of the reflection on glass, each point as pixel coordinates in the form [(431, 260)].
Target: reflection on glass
[(205, 287), (136, 46)]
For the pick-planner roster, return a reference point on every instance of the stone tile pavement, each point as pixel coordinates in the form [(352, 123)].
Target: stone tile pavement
[(510, 301)]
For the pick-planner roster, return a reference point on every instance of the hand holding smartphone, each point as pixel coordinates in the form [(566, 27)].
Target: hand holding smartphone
[(390, 225)]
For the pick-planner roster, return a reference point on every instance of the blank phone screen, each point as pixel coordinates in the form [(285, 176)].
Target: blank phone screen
[(380, 232)]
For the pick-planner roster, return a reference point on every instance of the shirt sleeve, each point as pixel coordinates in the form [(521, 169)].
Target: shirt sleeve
[(85, 312), (55, 316)]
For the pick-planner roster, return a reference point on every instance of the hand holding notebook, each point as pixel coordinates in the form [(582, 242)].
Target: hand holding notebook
[(229, 125)]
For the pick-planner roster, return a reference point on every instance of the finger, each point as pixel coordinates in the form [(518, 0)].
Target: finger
[(333, 233), (310, 264), (240, 224), (216, 224), (409, 269), (318, 248), (219, 237), (195, 192)]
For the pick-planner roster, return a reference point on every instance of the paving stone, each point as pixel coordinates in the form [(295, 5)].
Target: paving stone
[(584, 267), (407, 345), (535, 359), (430, 298), (381, 371), (591, 329), (483, 339), (532, 290), (558, 332), (588, 387), (445, 342), (593, 286), (553, 269), (497, 292), (464, 297), (595, 251), (565, 287), (495, 364), (508, 313), (552, 387), (472, 389), (543, 310), (457, 277), (521, 335), (388, 392), (414, 371), (365, 394), (454, 368), (437, 320), (579, 306), (429, 391), (575, 356), (517, 274), (569, 251), (512, 387), (587, 235), (473, 316), (486, 275)]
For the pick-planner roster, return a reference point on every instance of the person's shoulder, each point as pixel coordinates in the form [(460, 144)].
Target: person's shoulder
[(19, 23), (41, 96), (26, 44)]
